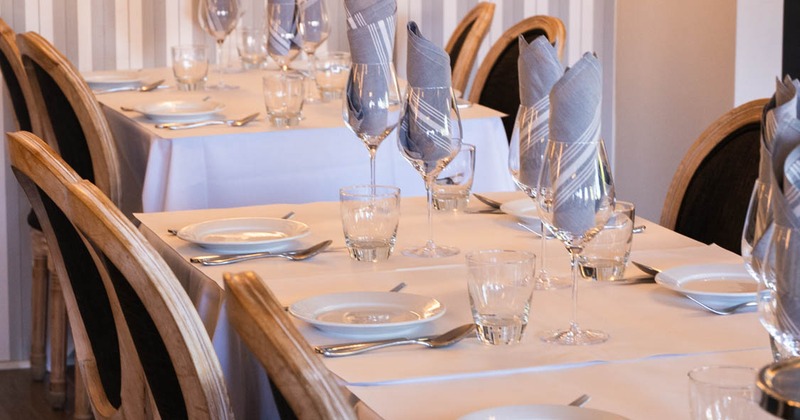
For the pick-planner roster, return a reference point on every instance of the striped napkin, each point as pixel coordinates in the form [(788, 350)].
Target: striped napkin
[(539, 69), (575, 118), (370, 30), (425, 123), (278, 44)]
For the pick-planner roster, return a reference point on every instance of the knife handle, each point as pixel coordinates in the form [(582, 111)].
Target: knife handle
[(229, 259), (181, 126), (357, 348)]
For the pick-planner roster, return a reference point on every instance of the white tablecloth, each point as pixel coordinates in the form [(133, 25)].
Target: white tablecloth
[(656, 334), (219, 166)]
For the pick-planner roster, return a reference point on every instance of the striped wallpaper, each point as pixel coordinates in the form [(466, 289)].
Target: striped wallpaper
[(132, 34)]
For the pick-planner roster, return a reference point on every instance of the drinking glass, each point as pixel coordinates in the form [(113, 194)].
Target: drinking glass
[(371, 107), (314, 28), (526, 143), (252, 47), (429, 138), (778, 310), (576, 198), (219, 18), (756, 224), (285, 39)]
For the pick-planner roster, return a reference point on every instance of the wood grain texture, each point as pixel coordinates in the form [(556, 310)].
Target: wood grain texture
[(477, 22)]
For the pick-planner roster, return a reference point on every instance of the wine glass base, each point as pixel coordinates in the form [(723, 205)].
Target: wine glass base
[(546, 281), (574, 336), (221, 86), (427, 251)]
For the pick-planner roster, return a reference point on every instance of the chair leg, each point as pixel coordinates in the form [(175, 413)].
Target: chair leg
[(57, 394), (38, 305), (83, 410)]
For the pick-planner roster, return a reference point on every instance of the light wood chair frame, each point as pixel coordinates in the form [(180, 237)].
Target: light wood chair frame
[(478, 20), (748, 113), (307, 385), (106, 231), (552, 27)]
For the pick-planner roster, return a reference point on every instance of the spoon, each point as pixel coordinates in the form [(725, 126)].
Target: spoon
[(724, 311), (488, 201), (443, 340), (296, 255), (232, 123), (580, 401), (144, 88)]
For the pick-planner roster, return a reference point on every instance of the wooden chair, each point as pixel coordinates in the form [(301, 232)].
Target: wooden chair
[(309, 388), (496, 83), (708, 197), (140, 343), (465, 41)]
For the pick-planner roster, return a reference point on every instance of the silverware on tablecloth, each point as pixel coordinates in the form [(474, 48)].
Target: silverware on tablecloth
[(232, 123), (488, 201), (646, 268), (144, 88), (443, 340), (580, 401), (295, 255), (726, 310)]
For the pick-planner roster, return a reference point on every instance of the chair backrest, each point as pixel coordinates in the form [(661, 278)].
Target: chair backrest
[(708, 197), (139, 341), (72, 121), (310, 389), (15, 78), (496, 83), (465, 41)]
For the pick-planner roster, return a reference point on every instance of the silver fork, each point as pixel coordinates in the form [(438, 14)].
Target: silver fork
[(724, 311)]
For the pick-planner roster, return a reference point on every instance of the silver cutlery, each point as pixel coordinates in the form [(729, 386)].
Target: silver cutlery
[(443, 340), (726, 310), (646, 268), (580, 401), (232, 123), (144, 88), (488, 201), (295, 255)]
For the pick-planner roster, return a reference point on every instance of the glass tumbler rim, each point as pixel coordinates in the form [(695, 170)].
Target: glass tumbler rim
[(369, 190), (520, 256)]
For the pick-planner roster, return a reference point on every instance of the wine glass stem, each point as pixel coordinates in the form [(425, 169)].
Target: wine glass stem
[(429, 192), (543, 267), (219, 60), (372, 152), (573, 255)]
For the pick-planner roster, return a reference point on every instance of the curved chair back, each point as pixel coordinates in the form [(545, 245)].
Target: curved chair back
[(708, 197), (310, 389), (465, 41), (72, 121), (15, 78), (496, 83), (139, 341)]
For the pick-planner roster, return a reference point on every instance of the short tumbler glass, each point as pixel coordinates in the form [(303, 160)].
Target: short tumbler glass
[(724, 392), (370, 216), (331, 74), (283, 97), (500, 285), (605, 256), (452, 186), (190, 66)]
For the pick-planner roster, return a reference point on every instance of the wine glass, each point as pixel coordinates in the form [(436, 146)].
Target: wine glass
[(525, 156), (756, 224), (576, 198), (219, 18), (285, 39), (371, 107), (429, 137), (779, 260), (314, 28)]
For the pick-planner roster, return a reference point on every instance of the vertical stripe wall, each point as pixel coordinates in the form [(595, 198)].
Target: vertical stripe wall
[(132, 34)]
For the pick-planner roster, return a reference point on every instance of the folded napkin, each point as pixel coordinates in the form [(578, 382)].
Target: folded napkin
[(575, 118), (428, 113), (370, 30), (539, 69), (278, 43), (312, 9)]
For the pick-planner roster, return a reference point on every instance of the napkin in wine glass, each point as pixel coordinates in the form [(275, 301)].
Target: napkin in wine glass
[(278, 45), (370, 30), (428, 67), (313, 12), (539, 69), (575, 118)]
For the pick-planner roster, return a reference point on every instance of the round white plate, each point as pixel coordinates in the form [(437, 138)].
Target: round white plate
[(179, 111), (713, 284), (106, 80), (541, 411), (523, 209), (244, 234), (375, 315)]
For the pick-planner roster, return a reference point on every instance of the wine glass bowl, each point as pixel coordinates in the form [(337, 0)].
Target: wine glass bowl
[(576, 198), (314, 28), (285, 40), (371, 107), (429, 137), (219, 18)]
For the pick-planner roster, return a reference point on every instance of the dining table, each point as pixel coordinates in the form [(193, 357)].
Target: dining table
[(656, 334), (222, 166)]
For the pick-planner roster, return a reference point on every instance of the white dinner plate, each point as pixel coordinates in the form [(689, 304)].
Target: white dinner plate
[(375, 315), (713, 284), (523, 209), (179, 111), (244, 234), (541, 411), (107, 80)]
